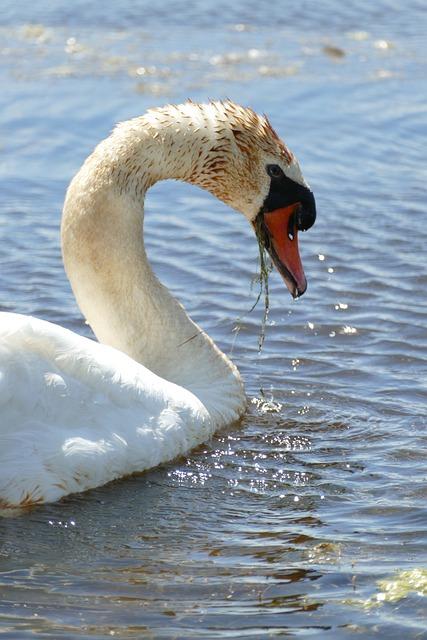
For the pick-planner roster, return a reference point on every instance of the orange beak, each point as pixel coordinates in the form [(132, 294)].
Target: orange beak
[(281, 241)]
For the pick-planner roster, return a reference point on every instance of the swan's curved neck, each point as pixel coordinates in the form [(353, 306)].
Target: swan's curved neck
[(105, 259)]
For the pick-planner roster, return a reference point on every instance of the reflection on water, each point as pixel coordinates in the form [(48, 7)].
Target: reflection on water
[(295, 521)]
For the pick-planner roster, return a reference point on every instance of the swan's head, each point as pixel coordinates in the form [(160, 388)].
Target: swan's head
[(235, 154), (249, 167)]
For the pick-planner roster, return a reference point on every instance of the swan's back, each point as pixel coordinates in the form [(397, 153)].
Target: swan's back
[(76, 414)]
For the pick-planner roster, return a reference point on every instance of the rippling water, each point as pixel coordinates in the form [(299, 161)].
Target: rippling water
[(283, 525)]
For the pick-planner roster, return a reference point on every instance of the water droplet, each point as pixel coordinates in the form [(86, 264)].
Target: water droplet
[(382, 44), (348, 330)]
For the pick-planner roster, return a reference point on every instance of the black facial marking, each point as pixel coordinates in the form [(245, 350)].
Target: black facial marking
[(284, 192)]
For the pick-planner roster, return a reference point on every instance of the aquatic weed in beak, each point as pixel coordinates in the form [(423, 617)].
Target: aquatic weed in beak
[(265, 268)]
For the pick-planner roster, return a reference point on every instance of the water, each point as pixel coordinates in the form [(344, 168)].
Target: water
[(280, 526)]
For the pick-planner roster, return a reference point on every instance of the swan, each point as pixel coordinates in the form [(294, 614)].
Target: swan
[(76, 413)]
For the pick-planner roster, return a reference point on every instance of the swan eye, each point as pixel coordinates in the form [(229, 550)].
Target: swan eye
[(274, 171)]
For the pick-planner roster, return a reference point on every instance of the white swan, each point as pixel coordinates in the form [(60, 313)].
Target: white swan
[(74, 413)]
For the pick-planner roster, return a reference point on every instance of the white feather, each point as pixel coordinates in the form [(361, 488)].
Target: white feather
[(76, 414)]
